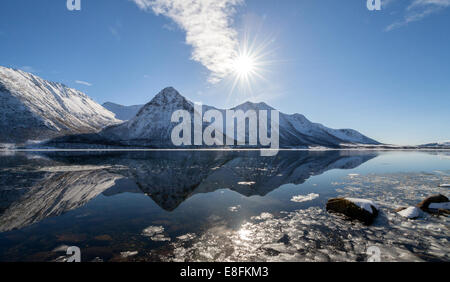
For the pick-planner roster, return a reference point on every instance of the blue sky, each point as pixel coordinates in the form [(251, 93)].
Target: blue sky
[(385, 73)]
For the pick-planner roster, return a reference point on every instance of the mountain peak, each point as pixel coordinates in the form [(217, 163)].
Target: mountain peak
[(169, 89), (253, 106), (168, 95), (169, 92)]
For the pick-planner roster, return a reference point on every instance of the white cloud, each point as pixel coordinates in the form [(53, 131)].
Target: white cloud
[(439, 3), (208, 27), (418, 10), (83, 82)]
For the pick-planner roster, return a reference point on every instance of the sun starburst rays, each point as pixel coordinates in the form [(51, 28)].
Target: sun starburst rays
[(250, 67)]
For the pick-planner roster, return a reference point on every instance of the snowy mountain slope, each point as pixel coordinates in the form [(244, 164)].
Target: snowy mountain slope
[(320, 133), (152, 125), (122, 112), (32, 108), (296, 130)]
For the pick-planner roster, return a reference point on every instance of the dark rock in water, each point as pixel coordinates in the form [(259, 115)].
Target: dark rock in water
[(351, 210), (285, 239), (435, 199)]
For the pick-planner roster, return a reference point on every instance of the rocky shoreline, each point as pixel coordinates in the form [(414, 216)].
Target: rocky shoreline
[(366, 210)]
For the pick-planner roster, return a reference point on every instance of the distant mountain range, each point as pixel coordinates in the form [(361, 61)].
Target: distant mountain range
[(152, 127), (440, 145), (35, 109), (32, 108), (122, 112)]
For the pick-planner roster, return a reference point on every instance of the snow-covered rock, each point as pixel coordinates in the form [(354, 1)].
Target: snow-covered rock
[(409, 212), (32, 108), (355, 209), (363, 203), (434, 202)]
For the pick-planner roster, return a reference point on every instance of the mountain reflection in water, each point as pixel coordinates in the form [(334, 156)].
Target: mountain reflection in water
[(35, 187), (218, 206)]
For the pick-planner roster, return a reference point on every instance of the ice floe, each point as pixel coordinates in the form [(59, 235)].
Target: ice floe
[(128, 254), (249, 183), (155, 233), (304, 198), (152, 230)]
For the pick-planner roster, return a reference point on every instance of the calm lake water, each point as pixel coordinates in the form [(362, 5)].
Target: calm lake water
[(218, 206)]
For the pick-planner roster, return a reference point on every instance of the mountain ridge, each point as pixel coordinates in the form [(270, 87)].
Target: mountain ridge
[(152, 125), (32, 108)]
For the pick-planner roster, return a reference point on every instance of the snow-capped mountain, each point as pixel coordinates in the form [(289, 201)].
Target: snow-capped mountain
[(152, 125), (122, 112), (296, 130), (32, 108)]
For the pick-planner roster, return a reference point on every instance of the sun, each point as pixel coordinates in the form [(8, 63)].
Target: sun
[(247, 70), (244, 65)]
